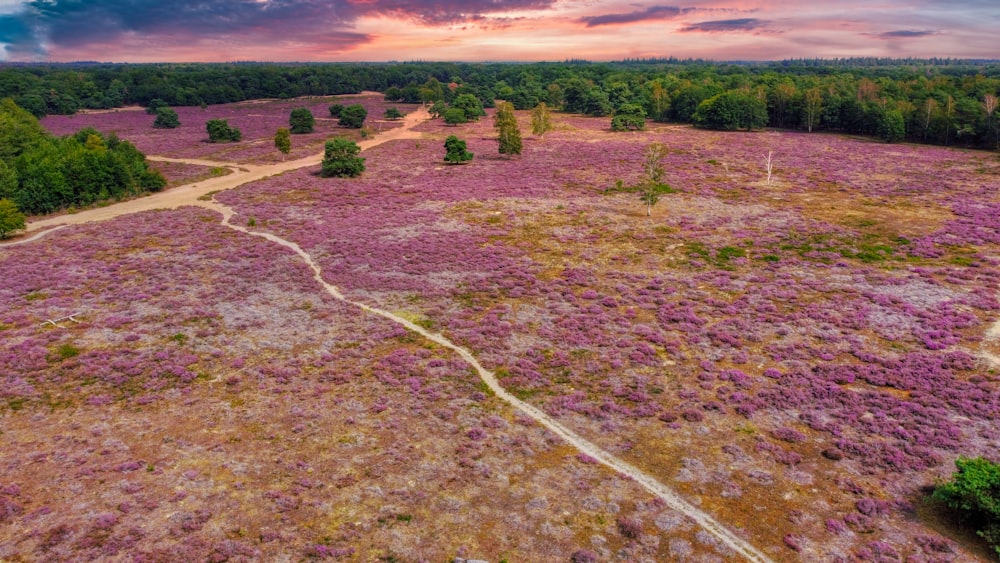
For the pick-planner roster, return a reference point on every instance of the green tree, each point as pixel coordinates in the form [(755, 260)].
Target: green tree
[(541, 119), (438, 109), (283, 141), (392, 114), (336, 110), (154, 105), (455, 151), (353, 116), (8, 181), (301, 121), (219, 131), (652, 168), (455, 116), (340, 159), (166, 118), (11, 219), (731, 110), (508, 132), (890, 125), (974, 491), (629, 116), (471, 105)]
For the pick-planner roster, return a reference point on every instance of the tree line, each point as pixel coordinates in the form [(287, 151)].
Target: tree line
[(41, 173), (938, 101)]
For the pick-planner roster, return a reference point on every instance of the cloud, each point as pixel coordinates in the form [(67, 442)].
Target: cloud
[(905, 33), (69, 24), (651, 13), (720, 26)]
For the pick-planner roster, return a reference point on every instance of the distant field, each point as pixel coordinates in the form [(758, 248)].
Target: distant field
[(799, 359)]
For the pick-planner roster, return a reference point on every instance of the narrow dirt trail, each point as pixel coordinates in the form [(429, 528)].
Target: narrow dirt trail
[(661, 491), (190, 194)]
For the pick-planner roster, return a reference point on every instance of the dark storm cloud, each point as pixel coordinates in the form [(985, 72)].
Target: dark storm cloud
[(71, 23), (652, 13), (741, 24), (905, 33)]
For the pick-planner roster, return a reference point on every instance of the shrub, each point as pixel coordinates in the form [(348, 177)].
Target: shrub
[(353, 116), (341, 159), (166, 118), (974, 491), (301, 120), (456, 152), (11, 219), (392, 114), (219, 131)]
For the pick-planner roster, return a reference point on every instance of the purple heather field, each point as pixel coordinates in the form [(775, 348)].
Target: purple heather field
[(800, 359)]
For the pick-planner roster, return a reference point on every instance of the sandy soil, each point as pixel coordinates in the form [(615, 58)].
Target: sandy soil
[(241, 174)]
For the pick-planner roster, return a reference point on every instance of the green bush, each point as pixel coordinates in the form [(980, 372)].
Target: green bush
[(166, 118), (301, 121), (219, 131), (974, 491), (341, 159)]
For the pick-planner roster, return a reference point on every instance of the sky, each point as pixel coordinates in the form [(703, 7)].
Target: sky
[(492, 30)]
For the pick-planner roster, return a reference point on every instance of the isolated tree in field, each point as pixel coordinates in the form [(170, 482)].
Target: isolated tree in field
[(166, 118), (652, 169), (974, 491), (340, 159), (455, 151), (301, 121), (629, 116), (336, 110), (283, 141), (541, 119), (219, 131), (455, 116), (392, 114), (353, 116), (11, 220), (508, 133)]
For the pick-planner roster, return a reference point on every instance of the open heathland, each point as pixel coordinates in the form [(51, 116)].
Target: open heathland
[(799, 357)]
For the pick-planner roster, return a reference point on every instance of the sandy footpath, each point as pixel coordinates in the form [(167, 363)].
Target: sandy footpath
[(188, 194)]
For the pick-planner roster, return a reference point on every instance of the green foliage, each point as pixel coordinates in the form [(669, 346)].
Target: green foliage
[(890, 126), (455, 151), (392, 114), (283, 141), (154, 105), (541, 119), (455, 116), (471, 105), (336, 110), (301, 120), (353, 116), (438, 109), (340, 159), (652, 168), (219, 131), (67, 351), (11, 219), (41, 173), (166, 118), (508, 132), (731, 110), (630, 116), (974, 491)]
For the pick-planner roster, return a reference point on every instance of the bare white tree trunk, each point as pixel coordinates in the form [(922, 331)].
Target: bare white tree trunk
[(770, 166)]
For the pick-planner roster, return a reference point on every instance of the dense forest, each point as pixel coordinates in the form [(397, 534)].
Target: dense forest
[(938, 101), (41, 173)]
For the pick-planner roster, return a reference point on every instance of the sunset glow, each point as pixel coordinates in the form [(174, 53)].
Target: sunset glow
[(513, 30)]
